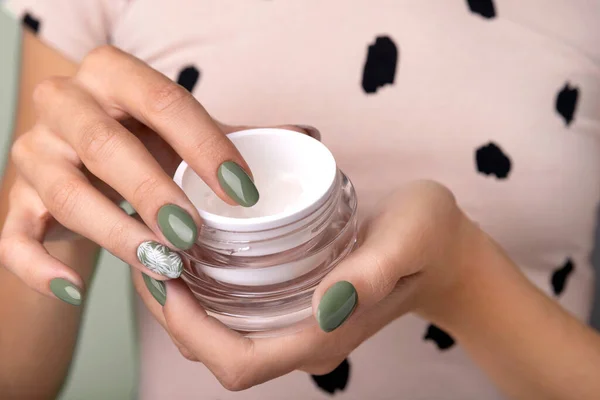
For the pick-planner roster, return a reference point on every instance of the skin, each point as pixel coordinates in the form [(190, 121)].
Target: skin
[(83, 156), (43, 203), (419, 254), (21, 373)]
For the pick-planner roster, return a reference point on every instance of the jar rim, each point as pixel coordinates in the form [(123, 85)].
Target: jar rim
[(319, 153), (280, 301), (341, 180)]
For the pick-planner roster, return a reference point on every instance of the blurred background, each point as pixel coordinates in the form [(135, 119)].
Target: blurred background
[(105, 365)]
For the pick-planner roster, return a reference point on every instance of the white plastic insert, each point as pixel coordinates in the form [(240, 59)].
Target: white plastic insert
[(292, 171), (295, 176)]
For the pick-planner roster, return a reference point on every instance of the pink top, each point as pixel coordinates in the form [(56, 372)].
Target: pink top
[(499, 100)]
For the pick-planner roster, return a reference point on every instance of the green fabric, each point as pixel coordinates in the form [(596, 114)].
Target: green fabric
[(105, 364), (10, 50)]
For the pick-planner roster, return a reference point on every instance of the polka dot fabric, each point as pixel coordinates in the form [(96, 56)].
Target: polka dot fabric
[(499, 100)]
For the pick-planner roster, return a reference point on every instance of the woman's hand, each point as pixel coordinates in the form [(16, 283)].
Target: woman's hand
[(409, 259), (114, 131)]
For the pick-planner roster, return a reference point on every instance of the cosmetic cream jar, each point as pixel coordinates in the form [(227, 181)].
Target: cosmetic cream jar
[(256, 268)]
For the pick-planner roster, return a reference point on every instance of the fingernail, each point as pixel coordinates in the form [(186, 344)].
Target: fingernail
[(157, 289), (177, 226), (237, 184), (336, 306), (66, 291), (160, 259), (310, 130)]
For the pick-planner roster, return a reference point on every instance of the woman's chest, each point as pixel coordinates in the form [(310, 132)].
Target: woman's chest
[(505, 115)]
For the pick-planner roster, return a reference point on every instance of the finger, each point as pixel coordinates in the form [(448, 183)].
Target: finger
[(118, 158), (309, 130), (368, 274), (123, 83), (414, 225), (306, 129), (77, 205), (237, 362), (153, 294), (341, 342), (22, 252)]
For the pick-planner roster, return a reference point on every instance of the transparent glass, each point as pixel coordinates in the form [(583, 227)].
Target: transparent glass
[(272, 294)]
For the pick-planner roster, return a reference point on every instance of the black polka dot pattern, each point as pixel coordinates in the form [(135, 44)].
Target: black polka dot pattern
[(335, 380), (442, 340), (188, 77), (31, 22), (561, 276), (566, 102), (491, 160), (485, 8), (380, 67)]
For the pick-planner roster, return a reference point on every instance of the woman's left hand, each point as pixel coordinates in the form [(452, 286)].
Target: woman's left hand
[(409, 259)]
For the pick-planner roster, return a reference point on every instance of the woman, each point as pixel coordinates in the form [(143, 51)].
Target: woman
[(493, 99)]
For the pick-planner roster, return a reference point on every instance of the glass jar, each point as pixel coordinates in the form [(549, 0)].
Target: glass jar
[(259, 278)]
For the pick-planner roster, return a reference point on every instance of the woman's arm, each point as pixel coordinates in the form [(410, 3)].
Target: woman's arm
[(526, 342), (107, 132), (37, 334)]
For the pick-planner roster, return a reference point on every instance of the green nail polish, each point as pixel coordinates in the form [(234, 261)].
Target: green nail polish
[(237, 184), (177, 226), (160, 259), (156, 288), (337, 304), (66, 291)]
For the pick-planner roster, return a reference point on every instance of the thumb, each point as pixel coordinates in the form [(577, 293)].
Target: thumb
[(363, 279), (392, 250)]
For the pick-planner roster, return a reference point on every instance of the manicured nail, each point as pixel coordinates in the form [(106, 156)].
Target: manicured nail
[(310, 130), (160, 259), (177, 226), (157, 289), (337, 304), (66, 291), (237, 184)]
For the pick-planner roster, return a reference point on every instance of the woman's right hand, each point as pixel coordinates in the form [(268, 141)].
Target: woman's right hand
[(113, 132)]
